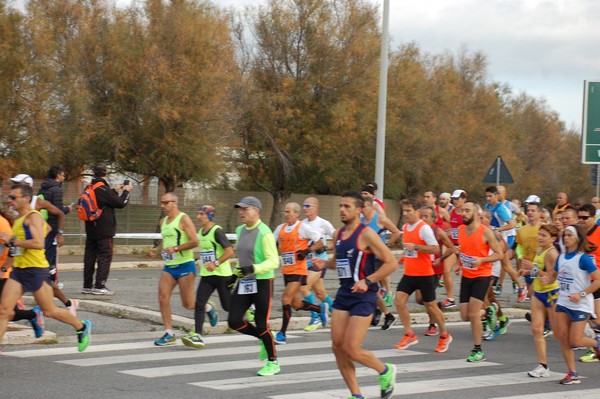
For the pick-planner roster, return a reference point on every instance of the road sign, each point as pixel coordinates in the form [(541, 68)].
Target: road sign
[(590, 138), (498, 173)]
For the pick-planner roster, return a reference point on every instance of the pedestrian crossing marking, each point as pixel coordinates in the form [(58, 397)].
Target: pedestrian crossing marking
[(169, 371), (332, 374)]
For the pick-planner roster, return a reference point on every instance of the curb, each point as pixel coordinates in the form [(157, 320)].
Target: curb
[(18, 334)]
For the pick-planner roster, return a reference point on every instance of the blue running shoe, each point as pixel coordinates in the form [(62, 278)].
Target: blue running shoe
[(323, 314), (280, 338), (166, 339), (38, 323), (84, 336), (213, 317)]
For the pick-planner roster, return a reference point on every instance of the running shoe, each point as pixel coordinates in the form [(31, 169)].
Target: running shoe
[(193, 341), (490, 316), (443, 343), (314, 323), (547, 331), (528, 316), (167, 339), (515, 287), (21, 305), (323, 314), (280, 338), (376, 318), (504, 323), (86, 290), (73, 307), (102, 291), (38, 323), (498, 289), (492, 334), (213, 316), (522, 294), (388, 321), (449, 303), (271, 368), (407, 341), (388, 299), (262, 353), (589, 357), (570, 379), (387, 381), (476, 356), (539, 372), (250, 314), (431, 331), (441, 283), (84, 336)]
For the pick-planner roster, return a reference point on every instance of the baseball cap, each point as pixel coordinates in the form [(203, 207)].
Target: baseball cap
[(533, 199), (247, 202), (369, 188), (22, 178), (372, 183), (445, 195), (459, 194)]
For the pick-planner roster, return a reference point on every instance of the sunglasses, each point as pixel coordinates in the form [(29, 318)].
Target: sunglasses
[(583, 217), (307, 205), (166, 202)]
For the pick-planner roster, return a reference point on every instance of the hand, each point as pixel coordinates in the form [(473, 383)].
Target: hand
[(243, 271), (409, 246), (360, 287), (321, 250), (302, 254), (526, 264), (153, 253), (210, 266), (170, 250), (60, 240), (5, 238), (318, 263)]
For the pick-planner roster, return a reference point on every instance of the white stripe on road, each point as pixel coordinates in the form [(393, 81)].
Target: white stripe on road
[(190, 353), (168, 371), (429, 386), (583, 393), (326, 375)]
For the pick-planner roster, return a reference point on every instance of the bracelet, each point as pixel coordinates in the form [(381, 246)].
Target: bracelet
[(533, 273), (217, 263)]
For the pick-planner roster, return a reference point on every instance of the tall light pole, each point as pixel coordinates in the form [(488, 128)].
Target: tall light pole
[(382, 103)]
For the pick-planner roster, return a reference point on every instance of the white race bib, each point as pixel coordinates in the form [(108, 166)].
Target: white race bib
[(15, 251), (207, 256), (454, 233), (167, 256), (410, 254), (288, 259), (467, 261), (247, 286), (342, 266)]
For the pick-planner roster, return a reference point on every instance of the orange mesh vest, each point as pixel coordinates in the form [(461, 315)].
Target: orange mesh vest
[(473, 246), (416, 263), (289, 243)]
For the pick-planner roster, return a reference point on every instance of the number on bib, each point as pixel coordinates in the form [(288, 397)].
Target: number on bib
[(247, 286), (207, 256), (342, 266)]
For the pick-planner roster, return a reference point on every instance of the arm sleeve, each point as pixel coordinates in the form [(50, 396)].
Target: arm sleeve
[(586, 263), (271, 261), (426, 234), (108, 196), (276, 233), (221, 238), (504, 213), (309, 233)]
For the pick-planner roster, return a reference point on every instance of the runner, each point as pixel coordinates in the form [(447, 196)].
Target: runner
[(353, 307), (459, 197)]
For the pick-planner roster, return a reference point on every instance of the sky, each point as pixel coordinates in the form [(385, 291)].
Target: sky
[(544, 48)]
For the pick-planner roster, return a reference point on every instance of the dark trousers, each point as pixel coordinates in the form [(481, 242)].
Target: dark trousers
[(101, 251), (207, 285)]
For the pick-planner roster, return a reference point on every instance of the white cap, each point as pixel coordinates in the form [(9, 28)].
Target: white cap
[(533, 199), (445, 195), (22, 178), (459, 193)]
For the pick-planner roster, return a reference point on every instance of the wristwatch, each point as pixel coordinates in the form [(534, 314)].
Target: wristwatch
[(417, 248), (582, 294), (367, 281), (217, 263), (176, 248)]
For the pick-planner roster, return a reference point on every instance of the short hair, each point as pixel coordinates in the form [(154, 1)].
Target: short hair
[(589, 208), (536, 204), (433, 192), (100, 170), (491, 189), (356, 196), (410, 202), (295, 206), (26, 189), (432, 209), (174, 196), (551, 229), (367, 200), (54, 171)]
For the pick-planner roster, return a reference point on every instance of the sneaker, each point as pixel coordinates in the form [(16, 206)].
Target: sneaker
[(388, 321), (449, 303), (193, 341), (102, 291), (213, 317), (443, 343), (476, 355), (73, 307), (522, 294), (84, 336), (441, 283), (388, 299), (262, 353), (86, 290), (528, 316), (498, 289), (38, 323), (280, 338), (515, 287), (376, 318), (314, 323), (589, 357), (539, 372), (504, 323), (547, 332), (407, 341), (165, 340), (490, 335), (250, 314), (490, 317), (570, 379), (271, 368), (432, 330), (323, 314), (387, 381)]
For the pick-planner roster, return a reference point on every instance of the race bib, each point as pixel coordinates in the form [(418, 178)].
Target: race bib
[(207, 256), (564, 282), (247, 286), (410, 254), (454, 233), (467, 261), (167, 256), (15, 251), (288, 259), (342, 266)]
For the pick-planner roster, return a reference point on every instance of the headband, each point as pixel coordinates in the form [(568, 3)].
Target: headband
[(574, 231)]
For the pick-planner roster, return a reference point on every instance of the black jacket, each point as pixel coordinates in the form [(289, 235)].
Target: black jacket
[(53, 193), (108, 199)]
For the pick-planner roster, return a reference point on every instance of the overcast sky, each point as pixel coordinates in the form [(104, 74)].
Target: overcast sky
[(545, 48)]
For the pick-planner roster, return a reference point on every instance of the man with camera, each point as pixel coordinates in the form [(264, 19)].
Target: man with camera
[(100, 233), (296, 241)]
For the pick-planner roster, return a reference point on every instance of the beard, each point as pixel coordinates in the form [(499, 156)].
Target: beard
[(468, 221)]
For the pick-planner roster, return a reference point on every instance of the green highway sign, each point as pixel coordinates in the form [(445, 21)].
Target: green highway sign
[(590, 138)]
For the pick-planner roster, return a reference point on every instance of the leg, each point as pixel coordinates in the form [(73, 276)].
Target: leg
[(562, 331), (105, 251), (403, 312), (166, 284), (449, 263), (45, 299), (340, 320), (89, 263), (10, 296), (204, 291), (186, 291), (538, 319)]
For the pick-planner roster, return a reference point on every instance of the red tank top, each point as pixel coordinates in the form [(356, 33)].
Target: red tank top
[(456, 221)]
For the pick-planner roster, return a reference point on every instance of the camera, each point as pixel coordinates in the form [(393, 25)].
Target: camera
[(126, 182)]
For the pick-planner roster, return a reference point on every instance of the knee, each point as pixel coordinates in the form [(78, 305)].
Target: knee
[(189, 305), (235, 324), (6, 313)]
